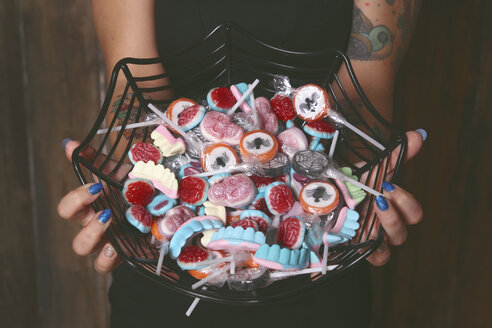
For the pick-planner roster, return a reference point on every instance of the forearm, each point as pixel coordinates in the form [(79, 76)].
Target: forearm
[(381, 32)]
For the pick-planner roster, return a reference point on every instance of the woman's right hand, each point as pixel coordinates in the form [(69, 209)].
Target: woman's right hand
[(75, 206)]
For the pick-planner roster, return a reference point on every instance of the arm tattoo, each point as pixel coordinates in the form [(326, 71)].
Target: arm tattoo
[(368, 42), (120, 107)]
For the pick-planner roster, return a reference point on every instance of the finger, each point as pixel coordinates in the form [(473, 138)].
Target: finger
[(393, 225), (381, 255), (107, 260), (88, 239), (74, 205), (414, 144), (89, 153), (409, 208)]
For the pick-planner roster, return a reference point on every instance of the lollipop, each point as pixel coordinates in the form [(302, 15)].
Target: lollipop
[(186, 113), (315, 165), (319, 197), (291, 141), (258, 145), (219, 156), (311, 102)]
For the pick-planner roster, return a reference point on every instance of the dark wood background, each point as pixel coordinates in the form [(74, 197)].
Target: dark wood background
[(50, 89)]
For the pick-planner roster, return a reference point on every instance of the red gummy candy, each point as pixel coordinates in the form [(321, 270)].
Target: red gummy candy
[(141, 214), (188, 114), (283, 108), (321, 126), (246, 223), (280, 199), (138, 192), (192, 190), (193, 254), (261, 182), (261, 205), (223, 98), (289, 232), (145, 152)]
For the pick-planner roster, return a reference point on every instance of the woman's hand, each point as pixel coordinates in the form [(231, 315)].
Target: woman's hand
[(398, 208), (75, 206)]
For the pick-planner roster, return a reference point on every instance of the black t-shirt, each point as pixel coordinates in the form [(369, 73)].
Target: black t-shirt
[(306, 25)]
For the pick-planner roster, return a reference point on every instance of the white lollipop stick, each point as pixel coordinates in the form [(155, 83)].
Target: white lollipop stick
[(338, 118), (233, 266), (333, 173), (243, 97), (210, 277), (194, 303), (190, 142), (255, 112), (131, 126), (363, 135), (152, 240), (217, 261), (325, 259), (162, 252), (333, 144), (284, 274)]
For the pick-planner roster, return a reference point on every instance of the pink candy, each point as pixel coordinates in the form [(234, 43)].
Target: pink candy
[(218, 127), (234, 191)]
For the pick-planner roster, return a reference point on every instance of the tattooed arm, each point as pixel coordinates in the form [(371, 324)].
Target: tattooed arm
[(381, 31)]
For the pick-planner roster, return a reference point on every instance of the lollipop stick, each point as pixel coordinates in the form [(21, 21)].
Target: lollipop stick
[(194, 303), (130, 126), (363, 135), (210, 173), (360, 185), (325, 259), (217, 260), (284, 274), (255, 113), (162, 253), (240, 101), (233, 266), (333, 144), (166, 120), (210, 277)]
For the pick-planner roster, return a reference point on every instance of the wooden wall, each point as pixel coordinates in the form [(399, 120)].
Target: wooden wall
[(441, 276), (49, 90)]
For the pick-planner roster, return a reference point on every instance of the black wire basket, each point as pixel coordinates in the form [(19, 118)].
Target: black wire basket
[(230, 55)]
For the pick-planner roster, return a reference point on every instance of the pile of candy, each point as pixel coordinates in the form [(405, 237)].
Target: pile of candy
[(244, 196)]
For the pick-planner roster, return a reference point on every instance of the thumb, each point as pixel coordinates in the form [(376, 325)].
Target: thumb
[(69, 147)]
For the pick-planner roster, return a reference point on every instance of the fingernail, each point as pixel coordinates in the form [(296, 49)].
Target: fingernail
[(108, 251), (388, 187), (382, 203), (382, 248), (423, 133), (96, 188), (65, 141), (104, 216)]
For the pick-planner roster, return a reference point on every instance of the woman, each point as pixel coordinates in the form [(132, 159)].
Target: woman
[(374, 33)]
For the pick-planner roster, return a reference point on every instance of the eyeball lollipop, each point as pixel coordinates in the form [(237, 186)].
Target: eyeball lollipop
[(259, 145), (311, 102)]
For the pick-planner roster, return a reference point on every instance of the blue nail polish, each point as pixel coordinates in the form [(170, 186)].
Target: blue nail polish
[(104, 216), (96, 188), (382, 203), (388, 186), (65, 141), (423, 133)]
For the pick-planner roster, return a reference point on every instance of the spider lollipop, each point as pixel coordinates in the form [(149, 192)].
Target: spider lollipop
[(315, 165)]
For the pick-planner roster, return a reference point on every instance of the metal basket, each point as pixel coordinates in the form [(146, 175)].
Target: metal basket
[(230, 55)]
